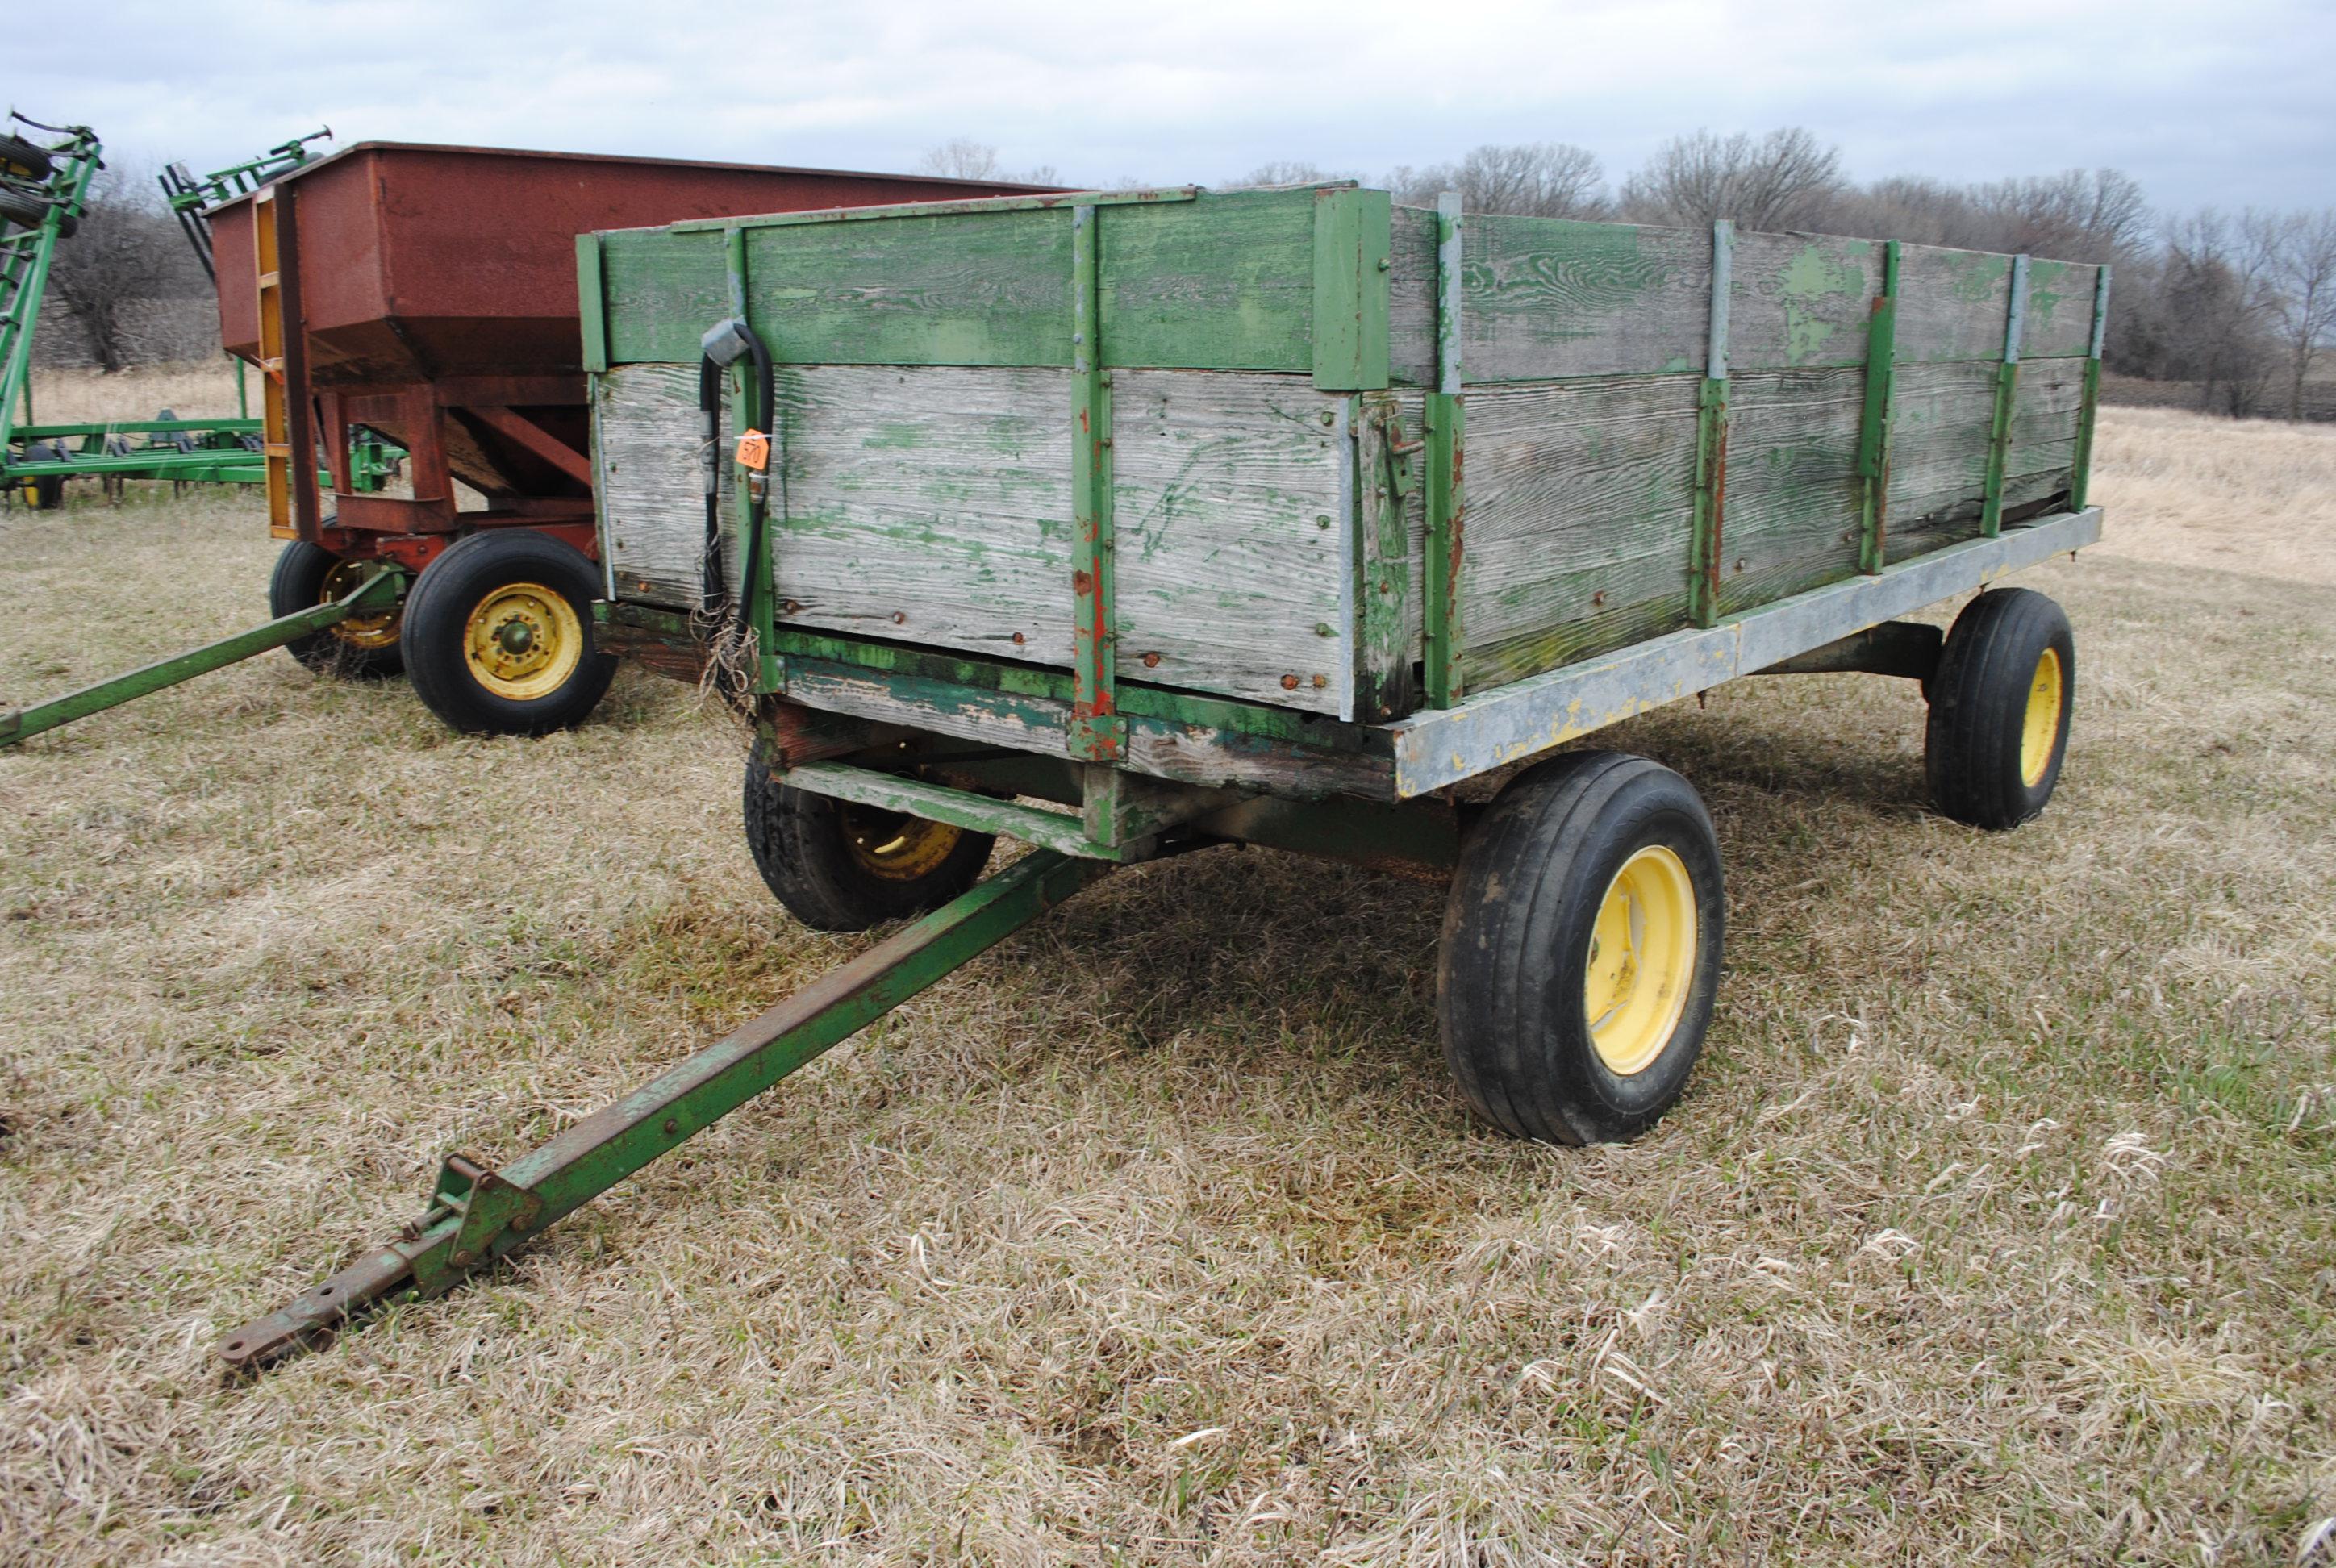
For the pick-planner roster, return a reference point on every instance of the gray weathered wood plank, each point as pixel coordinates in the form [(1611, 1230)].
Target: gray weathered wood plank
[(1580, 505)]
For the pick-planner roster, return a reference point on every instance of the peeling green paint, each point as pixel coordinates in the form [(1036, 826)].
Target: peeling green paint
[(1816, 272)]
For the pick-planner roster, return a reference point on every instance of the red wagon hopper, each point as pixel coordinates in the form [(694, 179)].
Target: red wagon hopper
[(428, 293)]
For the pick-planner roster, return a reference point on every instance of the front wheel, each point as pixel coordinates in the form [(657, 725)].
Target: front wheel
[(1581, 952), (362, 648), (838, 866), (499, 635)]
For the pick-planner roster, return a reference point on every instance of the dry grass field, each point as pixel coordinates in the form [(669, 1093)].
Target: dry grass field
[(1997, 1225)]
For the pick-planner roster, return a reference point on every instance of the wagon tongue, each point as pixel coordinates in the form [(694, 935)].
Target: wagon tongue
[(475, 1214)]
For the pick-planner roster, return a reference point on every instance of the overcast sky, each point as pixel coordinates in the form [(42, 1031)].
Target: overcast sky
[(2231, 102)]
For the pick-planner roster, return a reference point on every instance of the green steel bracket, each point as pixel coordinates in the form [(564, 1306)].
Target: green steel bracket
[(959, 808), (1445, 410), (2080, 478), (385, 587), (1098, 733), (1877, 425), (481, 1216), (1706, 549), (2007, 387)]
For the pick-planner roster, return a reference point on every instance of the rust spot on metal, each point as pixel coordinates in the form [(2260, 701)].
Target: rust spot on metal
[(1081, 583), (1018, 639), (1320, 681), (1152, 661), (1289, 683)]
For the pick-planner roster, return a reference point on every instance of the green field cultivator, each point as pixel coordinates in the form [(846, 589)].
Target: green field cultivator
[(44, 190)]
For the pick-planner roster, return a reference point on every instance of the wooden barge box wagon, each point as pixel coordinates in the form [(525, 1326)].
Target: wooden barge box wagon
[(1133, 522)]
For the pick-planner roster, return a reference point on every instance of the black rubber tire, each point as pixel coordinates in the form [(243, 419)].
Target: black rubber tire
[(801, 844), (1513, 969), (27, 211), (1980, 696), (25, 160), (298, 583), (437, 627)]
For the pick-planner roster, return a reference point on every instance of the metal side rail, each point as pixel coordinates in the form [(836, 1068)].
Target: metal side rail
[(378, 592), (476, 1215), (1440, 747)]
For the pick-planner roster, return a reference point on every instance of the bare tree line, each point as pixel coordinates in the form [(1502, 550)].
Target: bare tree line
[(2236, 306)]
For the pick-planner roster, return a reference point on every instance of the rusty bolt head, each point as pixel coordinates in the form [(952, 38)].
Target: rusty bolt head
[(1289, 683), (672, 1125), (1152, 661), (1018, 639), (791, 607), (1320, 681), (899, 618)]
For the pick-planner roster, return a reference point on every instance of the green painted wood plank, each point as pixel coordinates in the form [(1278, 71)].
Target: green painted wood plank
[(1223, 283), (1349, 307), (591, 300)]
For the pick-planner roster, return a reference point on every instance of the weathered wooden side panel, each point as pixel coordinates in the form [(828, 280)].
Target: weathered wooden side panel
[(2058, 324), (932, 504), (1800, 301), (652, 483), (1547, 298), (2039, 458), (1581, 506), (1937, 462), (1228, 581), (1790, 522), (1952, 303)]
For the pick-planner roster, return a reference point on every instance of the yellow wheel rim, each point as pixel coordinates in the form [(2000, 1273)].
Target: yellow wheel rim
[(894, 845), (369, 631), (1642, 953), (523, 641), (2040, 732)]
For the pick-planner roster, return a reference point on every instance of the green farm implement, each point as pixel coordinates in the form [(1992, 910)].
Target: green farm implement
[(1129, 524), (44, 192)]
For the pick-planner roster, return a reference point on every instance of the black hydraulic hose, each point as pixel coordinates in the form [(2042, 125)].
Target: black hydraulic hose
[(730, 338)]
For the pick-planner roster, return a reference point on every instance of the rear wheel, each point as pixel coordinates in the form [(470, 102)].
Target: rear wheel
[(841, 867), (1582, 946), (498, 634), (362, 648), (2001, 703)]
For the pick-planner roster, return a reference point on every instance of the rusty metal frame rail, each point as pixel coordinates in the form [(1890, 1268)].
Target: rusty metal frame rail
[(477, 1214)]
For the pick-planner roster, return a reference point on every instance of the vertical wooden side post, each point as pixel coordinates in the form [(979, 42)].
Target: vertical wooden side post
[(2007, 387), (2080, 478), (1875, 430), (1445, 411), (1097, 731), (1711, 440)]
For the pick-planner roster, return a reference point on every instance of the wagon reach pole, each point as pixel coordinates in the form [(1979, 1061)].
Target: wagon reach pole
[(379, 591), (476, 1215)]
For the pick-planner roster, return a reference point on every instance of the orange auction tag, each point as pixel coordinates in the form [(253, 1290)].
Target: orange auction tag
[(754, 451)]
